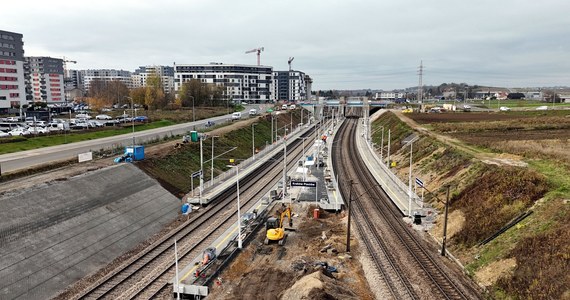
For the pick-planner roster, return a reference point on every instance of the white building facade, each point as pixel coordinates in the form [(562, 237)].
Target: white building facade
[(389, 95), (12, 78), (105, 75), (242, 83), (165, 73), (44, 79)]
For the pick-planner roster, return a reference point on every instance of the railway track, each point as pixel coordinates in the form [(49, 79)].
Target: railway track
[(375, 202), (148, 273)]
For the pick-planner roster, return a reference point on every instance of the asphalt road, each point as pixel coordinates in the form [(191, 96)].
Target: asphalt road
[(32, 158)]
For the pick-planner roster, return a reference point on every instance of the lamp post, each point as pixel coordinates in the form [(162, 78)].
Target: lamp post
[(238, 206), (285, 164), (271, 128), (411, 142), (253, 140), (212, 174), (132, 121)]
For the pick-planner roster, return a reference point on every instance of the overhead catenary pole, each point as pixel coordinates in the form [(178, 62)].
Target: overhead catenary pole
[(201, 168), (238, 208), (445, 224), (349, 214), (388, 148), (253, 141), (285, 164), (212, 173), (176, 263), (382, 146), (410, 183)]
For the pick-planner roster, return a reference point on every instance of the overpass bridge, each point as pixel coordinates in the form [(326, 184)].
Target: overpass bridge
[(350, 108)]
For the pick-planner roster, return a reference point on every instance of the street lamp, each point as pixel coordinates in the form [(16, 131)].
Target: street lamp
[(253, 140), (411, 142), (285, 164), (238, 206), (132, 121)]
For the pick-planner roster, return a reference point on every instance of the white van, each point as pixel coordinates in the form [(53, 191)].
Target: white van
[(253, 112), (236, 116), (284, 107)]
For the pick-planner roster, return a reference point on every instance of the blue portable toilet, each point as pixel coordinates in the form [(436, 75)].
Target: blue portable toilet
[(137, 154)]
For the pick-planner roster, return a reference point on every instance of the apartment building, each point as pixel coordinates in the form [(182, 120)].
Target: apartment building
[(242, 83), (105, 75), (289, 85), (12, 79), (44, 79), (165, 73)]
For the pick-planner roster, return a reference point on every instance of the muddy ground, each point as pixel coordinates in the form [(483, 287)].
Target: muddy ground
[(295, 270)]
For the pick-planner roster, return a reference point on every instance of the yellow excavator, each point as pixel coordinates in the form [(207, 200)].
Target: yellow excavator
[(274, 226)]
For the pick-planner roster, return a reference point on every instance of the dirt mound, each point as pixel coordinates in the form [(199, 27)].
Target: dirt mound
[(317, 286), (263, 284)]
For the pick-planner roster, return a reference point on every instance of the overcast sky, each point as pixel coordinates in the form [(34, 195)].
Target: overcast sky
[(375, 44)]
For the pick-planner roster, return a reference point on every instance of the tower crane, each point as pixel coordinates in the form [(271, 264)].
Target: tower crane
[(66, 79), (258, 50), (289, 62)]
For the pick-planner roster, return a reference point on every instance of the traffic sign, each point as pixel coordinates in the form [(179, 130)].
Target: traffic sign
[(419, 182), (304, 183), (196, 174)]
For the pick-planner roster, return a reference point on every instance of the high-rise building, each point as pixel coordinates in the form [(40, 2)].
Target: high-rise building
[(241, 82), (289, 85), (165, 73), (105, 75), (12, 80), (44, 79)]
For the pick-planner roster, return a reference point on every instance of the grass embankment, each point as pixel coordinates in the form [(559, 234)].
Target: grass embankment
[(158, 118), (174, 170), (534, 253)]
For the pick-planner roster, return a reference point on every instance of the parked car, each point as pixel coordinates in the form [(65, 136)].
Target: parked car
[(82, 116), (542, 108), (37, 129), (103, 117), (80, 125), (58, 126), (3, 134), (12, 119), (19, 131), (143, 119), (504, 108), (292, 106), (94, 124)]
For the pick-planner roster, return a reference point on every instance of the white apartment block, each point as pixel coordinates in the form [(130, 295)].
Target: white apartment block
[(44, 79), (241, 83), (166, 74), (12, 78), (106, 75), (389, 95), (289, 86)]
